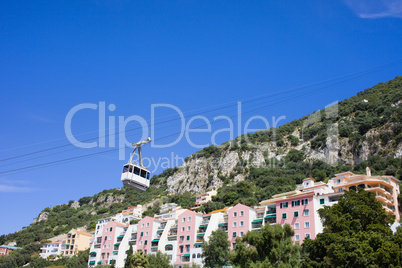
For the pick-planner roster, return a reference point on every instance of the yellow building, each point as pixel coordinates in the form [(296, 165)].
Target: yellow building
[(76, 241)]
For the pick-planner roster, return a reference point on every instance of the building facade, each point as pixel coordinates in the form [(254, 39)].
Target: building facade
[(76, 241), (5, 250), (179, 233), (52, 250)]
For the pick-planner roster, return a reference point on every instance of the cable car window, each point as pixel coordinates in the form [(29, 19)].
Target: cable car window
[(131, 169), (143, 173), (136, 171), (125, 169), (148, 175)]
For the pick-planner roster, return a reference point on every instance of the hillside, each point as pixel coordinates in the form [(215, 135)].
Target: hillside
[(365, 130), (364, 126)]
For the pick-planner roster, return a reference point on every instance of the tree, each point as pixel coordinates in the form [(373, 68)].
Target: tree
[(159, 260), (138, 260), (356, 234), (129, 254), (272, 247), (216, 251)]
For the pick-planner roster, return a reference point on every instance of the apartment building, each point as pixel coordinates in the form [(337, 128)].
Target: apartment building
[(203, 198), (76, 241), (385, 188), (180, 232), (5, 250), (299, 208), (50, 249), (187, 225), (108, 238), (239, 220)]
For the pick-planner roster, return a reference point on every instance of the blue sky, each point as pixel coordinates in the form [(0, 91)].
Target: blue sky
[(200, 56)]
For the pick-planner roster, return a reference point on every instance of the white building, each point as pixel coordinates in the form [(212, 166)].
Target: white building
[(50, 249)]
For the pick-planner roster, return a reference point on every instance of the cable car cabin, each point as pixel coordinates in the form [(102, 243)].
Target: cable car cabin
[(135, 177)]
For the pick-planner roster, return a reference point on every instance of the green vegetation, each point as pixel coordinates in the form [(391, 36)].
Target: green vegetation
[(29, 254), (272, 247), (356, 234), (216, 250)]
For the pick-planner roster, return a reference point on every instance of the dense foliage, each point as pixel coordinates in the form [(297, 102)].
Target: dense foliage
[(272, 247), (216, 250), (29, 255), (356, 234)]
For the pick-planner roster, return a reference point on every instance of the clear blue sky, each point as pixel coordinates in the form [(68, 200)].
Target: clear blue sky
[(191, 54)]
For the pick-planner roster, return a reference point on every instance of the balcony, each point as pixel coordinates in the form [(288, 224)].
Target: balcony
[(97, 246), (185, 258), (256, 224), (154, 249), (172, 238)]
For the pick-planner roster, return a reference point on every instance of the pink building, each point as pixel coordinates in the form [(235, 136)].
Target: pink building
[(110, 241), (187, 225), (298, 211), (146, 234), (239, 219)]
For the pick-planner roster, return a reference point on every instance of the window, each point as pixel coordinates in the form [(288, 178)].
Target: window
[(111, 228), (145, 242), (283, 215), (189, 218), (234, 234), (140, 243), (242, 223), (305, 201), (110, 237), (296, 203), (307, 235), (106, 230), (241, 234), (234, 214), (198, 255), (234, 224), (181, 249), (142, 225), (104, 246), (234, 245), (296, 214), (184, 219), (338, 181), (242, 213), (183, 229), (188, 237), (147, 224), (322, 201), (297, 237), (146, 233), (188, 248), (284, 205), (306, 212), (297, 225), (306, 224), (182, 238), (108, 245), (142, 233), (340, 190), (105, 238), (194, 256), (188, 228)]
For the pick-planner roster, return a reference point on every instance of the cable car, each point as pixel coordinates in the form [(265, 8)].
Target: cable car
[(136, 176)]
